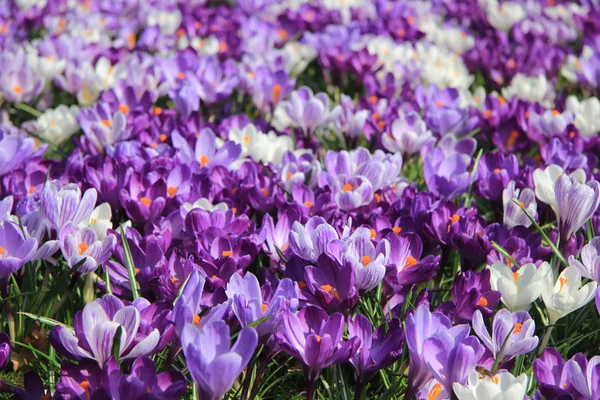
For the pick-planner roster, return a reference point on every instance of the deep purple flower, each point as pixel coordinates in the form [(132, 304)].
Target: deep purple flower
[(493, 174), (447, 176), (213, 363), (205, 153), (332, 283), (552, 375), (377, 350), (315, 339)]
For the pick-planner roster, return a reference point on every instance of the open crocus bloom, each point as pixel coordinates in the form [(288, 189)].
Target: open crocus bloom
[(566, 295)]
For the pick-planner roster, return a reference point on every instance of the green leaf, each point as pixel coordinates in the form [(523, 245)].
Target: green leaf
[(46, 320), (505, 253), (116, 344), (129, 265)]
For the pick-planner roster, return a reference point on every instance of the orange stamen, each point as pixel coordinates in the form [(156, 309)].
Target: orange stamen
[(562, 281), (162, 137), (308, 204), (226, 253), (264, 307), (365, 260), (347, 187), (196, 319), (106, 123), (124, 108), (302, 285), (435, 392), (276, 93), (515, 276), (82, 248), (454, 218), (373, 233), (518, 328), (145, 201), (157, 111), (410, 262), (396, 230), (482, 302), (171, 191), (203, 161)]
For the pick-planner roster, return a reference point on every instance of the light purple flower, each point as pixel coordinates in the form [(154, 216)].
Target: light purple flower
[(213, 363), (516, 329), (15, 150), (63, 204), (408, 134), (79, 244), (577, 202), (205, 154), (15, 249), (369, 262), (309, 111), (513, 214), (95, 329)]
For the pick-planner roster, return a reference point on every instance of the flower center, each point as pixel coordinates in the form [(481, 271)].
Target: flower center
[(276, 93), (124, 108), (17, 89), (482, 302), (203, 161), (226, 253), (264, 307), (365, 260), (145, 201), (435, 392), (308, 204), (171, 191), (396, 230), (196, 319), (82, 248), (562, 281), (515, 276), (518, 328), (347, 187)]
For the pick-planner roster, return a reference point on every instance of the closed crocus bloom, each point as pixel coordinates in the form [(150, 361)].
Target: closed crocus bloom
[(521, 288), (545, 180), (205, 153), (95, 328), (502, 386), (309, 112), (63, 204), (315, 338), (14, 151), (576, 202), (369, 262), (378, 349), (408, 134), (452, 354), (585, 375), (565, 295), (420, 325), (213, 362), (513, 214), (311, 240), (552, 376), (512, 333)]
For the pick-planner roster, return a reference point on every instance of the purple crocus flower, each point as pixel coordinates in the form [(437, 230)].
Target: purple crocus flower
[(315, 338), (4, 349), (143, 382), (408, 134), (63, 204), (513, 214), (451, 355), (515, 329), (577, 202), (332, 284), (95, 329), (589, 267), (311, 240), (79, 244), (309, 111), (377, 350), (494, 173), (249, 306), (369, 261), (103, 128), (213, 363), (421, 325), (446, 176), (187, 307), (351, 193), (205, 154), (15, 250), (14, 151), (553, 376), (584, 375)]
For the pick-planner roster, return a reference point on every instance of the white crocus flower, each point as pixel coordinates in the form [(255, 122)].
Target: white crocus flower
[(565, 295), (519, 289), (107, 74), (532, 89), (587, 114), (504, 16), (501, 386), (205, 204), (545, 180), (265, 147), (167, 21), (59, 124), (99, 220)]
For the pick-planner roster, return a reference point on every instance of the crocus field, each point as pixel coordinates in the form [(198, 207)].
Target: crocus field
[(299, 199)]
